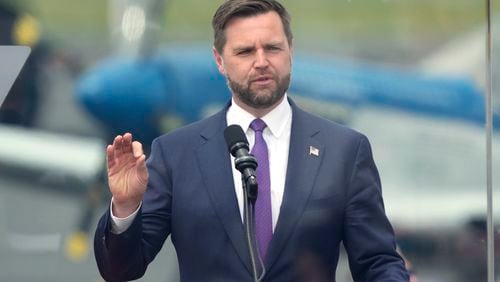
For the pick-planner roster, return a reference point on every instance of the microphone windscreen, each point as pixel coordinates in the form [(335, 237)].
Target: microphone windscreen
[(234, 134)]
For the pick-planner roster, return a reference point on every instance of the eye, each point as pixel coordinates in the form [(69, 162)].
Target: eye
[(243, 52), (273, 48)]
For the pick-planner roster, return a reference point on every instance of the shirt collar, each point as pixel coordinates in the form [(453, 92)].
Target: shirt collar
[(276, 120)]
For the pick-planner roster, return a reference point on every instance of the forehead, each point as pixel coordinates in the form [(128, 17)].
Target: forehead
[(246, 30)]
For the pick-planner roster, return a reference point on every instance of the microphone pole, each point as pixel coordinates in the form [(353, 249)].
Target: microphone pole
[(246, 163), (249, 224)]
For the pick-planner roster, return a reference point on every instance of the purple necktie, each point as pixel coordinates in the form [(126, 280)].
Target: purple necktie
[(263, 212)]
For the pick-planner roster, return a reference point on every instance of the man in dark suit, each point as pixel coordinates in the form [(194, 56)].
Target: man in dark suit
[(318, 184)]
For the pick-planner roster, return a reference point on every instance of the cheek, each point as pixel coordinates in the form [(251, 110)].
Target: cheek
[(286, 66), (282, 65), (237, 72)]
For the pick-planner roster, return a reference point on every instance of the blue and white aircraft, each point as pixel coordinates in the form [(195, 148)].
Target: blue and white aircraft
[(182, 84)]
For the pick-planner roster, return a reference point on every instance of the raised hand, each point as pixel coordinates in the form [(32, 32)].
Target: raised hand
[(127, 174)]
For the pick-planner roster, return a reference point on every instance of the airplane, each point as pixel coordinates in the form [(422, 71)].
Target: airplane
[(183, 82)]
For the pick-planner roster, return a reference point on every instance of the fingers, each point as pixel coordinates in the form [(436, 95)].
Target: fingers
[(137, 149), (118, 145), (127, 143), (122, 144)]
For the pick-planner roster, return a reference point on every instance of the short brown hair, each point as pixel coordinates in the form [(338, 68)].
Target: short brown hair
[(246, 8)]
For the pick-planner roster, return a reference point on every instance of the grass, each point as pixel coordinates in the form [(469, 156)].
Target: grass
[(361, 15), (328, 25)]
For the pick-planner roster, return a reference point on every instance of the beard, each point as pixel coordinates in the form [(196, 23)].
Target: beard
[(260, 98)]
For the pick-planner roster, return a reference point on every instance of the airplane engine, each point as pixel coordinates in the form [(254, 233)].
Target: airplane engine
[(126, 95)]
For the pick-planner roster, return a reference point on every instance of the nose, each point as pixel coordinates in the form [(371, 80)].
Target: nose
[(261, 59)]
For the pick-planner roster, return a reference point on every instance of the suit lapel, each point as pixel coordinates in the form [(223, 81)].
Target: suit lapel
[(215, 166), (302, 168)]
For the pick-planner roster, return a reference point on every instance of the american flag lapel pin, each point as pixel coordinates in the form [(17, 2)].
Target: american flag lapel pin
[(313, 151)]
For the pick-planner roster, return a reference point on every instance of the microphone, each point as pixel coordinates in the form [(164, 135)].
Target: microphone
[(245, 162)]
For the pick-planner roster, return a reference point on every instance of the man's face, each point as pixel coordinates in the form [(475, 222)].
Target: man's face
[(256, 60)]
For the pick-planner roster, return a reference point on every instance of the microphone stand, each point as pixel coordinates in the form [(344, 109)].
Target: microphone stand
[(246, 163), (250, 188)]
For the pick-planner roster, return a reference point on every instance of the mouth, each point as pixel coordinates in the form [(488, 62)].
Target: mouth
[(262, 80)]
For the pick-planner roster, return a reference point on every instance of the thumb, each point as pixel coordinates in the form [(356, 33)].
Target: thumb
[(142, 170), (137, 149)]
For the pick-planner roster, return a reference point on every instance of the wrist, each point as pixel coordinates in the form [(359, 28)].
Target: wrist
[(124, 209)]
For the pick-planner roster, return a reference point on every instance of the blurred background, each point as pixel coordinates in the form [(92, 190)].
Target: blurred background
[(410, 74)]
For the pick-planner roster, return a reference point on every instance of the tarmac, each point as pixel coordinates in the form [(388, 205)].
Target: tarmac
[(36, 221)]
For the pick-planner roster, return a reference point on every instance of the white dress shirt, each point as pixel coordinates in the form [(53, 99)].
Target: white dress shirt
[(277, 137)]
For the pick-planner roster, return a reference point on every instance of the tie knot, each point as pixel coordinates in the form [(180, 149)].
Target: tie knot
[(258, 125)]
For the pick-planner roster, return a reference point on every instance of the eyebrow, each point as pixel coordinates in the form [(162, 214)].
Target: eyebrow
[(244, 48)]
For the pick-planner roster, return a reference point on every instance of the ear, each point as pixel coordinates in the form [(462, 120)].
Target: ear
[(219, 61)]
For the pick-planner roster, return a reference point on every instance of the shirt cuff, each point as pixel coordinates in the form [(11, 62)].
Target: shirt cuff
[(120, 225)]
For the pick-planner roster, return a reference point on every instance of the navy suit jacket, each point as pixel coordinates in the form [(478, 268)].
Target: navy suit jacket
[(329, 198)]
